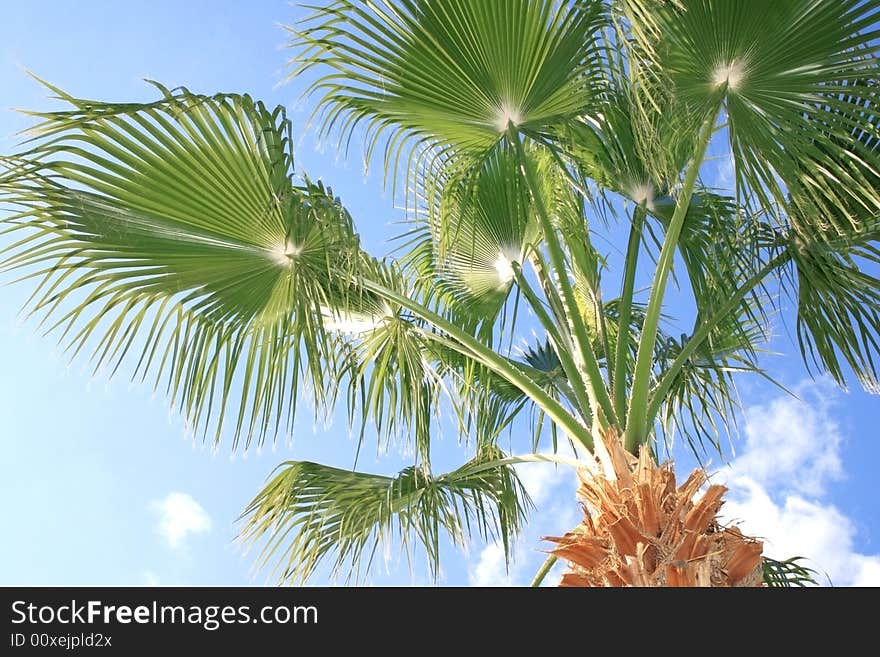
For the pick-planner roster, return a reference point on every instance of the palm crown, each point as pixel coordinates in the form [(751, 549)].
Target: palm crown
[(179, 237)]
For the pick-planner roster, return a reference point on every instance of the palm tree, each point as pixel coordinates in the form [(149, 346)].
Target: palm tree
[(179, 238)]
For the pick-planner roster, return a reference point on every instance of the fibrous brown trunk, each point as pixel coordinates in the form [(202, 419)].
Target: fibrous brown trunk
[(640, 529)]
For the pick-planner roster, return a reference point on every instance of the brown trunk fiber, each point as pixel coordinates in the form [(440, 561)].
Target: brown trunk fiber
[(640, 529)]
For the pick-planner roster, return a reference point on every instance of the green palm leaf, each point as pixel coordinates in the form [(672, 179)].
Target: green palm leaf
[(476, 225), (787, 73), (389, 366), (787, 573), (487, 404), (310, 512), (701, 402), (616, 150), (450, 74), (721, 246), (172, 232), (833, 251), (838, 304)]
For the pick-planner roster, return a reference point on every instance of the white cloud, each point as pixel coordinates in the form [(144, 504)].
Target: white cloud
[(489, 569), (777, 484), (793, 443), (540, 479), (179, 517)]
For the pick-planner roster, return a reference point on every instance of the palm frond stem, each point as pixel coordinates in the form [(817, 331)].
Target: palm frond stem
[(618, 377), (637, 420), (592, 372), (578, 388)]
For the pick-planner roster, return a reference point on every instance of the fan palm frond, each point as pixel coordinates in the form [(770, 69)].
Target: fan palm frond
[(172, 232), (310, 512), (450, 75), (787, 73), (477, 224)]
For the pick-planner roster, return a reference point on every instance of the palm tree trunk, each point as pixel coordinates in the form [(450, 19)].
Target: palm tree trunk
[(640, 529)]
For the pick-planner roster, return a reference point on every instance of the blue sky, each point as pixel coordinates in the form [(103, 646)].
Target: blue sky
[(100, 484)]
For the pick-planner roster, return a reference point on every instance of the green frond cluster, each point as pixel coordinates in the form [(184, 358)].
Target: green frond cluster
[(839, 305), (172, 234), (450, 75), (311, 512), (787, 73), (787, 573)]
